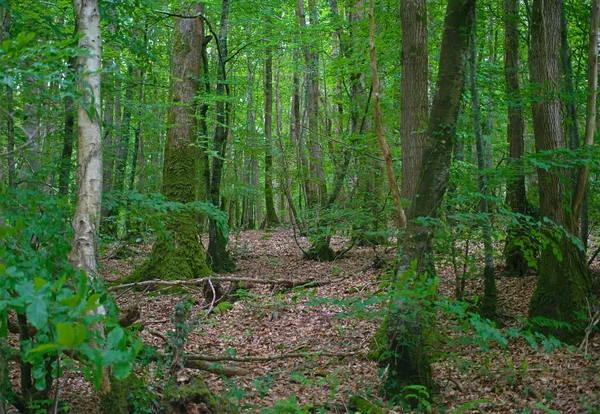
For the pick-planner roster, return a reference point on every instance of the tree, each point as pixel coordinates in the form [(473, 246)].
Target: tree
[(178, 254), (516, 263), (490, 294), (563, 282), (415, 104), (220, 260), (271, 219), (409, 362)]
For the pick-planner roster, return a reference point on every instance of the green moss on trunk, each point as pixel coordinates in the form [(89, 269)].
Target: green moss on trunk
[(192, 398), (561, 271), (321, 251), (176, 255)]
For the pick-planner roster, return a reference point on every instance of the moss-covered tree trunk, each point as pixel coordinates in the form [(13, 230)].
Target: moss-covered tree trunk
[(563, 282), (409, 360), (178, 254)]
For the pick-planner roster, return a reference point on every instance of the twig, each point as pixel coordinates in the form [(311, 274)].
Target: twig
[(594, 256), (594, 320), (198, 281)]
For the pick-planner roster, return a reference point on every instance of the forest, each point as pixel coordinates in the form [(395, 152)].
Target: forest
[(308, 206)]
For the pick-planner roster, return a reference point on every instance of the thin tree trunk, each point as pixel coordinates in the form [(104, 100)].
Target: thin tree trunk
[(590, 118), (516, 263), (86, 219), (219, 257), (271, 219), (490, 293)]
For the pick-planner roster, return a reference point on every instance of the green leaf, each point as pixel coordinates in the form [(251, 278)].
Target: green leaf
[(122, 370), (114, 338), (39, 283), (37, 313), (92, 302), (80, 334), (71, 301), (66, 334)]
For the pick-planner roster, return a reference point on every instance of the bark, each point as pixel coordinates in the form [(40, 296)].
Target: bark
[(219, 257), (572, 122), (86, 219), (271, 219), (316, 189), (440, 133), (286, 185), (108, 144), (122, 130), (490, 293), (516, 264), (563, 282), (89, 157), (65, 164), (5, 15), (179, 254), (415, 104), (251, 178), (409, 362)]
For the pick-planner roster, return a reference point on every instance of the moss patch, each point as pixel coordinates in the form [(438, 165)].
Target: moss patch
[(178, 256), (183, 398)]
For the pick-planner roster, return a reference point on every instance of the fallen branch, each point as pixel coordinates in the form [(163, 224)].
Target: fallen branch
[(263, 358), (228, 371), (194, 282)]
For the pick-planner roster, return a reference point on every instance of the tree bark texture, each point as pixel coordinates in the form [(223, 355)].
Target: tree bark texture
[(219, 257), (440, 136), (178, 254), (489, 301), (409, 362), (271, 219), (563, 281), (516, 264), (86, 219), (415, 104)]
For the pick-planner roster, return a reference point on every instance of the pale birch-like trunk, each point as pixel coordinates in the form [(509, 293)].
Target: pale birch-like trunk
[(86, 219)]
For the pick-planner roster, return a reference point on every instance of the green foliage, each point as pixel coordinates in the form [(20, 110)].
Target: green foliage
[(287, 406), (149, 211), (62, 312)]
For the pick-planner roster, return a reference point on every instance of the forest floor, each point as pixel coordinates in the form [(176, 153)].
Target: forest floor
[(337, 319)]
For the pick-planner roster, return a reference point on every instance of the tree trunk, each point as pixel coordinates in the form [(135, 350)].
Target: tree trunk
[(86, 219), (271, 219), (219, 257), (440, 135), (516, 263), (490, 293), (563, 282), (251, 178), (415, 104), (10, 122), (409, 363), (179, 255)]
